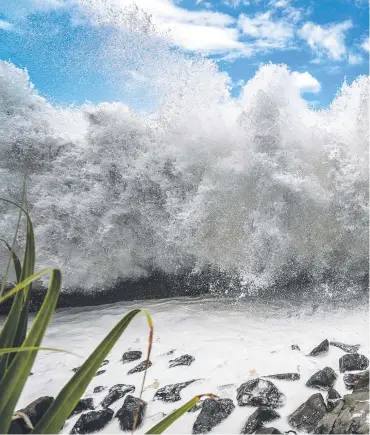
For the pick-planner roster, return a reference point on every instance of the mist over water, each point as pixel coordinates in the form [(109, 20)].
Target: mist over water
[(261, 187)]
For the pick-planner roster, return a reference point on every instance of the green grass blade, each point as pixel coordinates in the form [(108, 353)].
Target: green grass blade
[(17, 373), (15, 326), (16, 262), (32, 348), (5, 275), (26, 282), (67, 399), (171, 418)]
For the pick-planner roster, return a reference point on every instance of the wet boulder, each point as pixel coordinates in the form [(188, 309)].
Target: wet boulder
[(171, 393), (213, 413), (132, 412), (196, 407), (259, 392), (184, 360), (131, 355), (306, 417), (33, 414), (323, 379), (353, 361), (285, 376), (323, 347), (93, 421), (83, 405), (332, 399), (261, 415), (99, 389), (124, 387), (112, 397), (350, 416), (357, 381), (139, 368), (349, 348), (268, 430)]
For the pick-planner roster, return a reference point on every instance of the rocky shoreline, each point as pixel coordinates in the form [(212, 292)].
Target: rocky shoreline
[(324, 412)]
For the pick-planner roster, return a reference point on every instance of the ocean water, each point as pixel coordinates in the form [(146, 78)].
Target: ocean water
[(232, 342), (260, 187)]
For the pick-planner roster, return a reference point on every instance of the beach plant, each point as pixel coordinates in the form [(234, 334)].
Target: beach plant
[(19, 346)]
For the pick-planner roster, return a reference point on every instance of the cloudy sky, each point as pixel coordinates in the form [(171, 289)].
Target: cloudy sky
[(322, 41)]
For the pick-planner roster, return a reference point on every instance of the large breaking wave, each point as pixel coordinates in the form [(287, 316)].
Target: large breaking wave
[(261, 187)]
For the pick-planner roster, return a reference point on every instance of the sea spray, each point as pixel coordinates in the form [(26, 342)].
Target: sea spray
[(261, 187)]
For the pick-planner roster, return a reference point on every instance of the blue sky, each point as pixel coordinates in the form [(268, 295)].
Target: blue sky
[(323, 41)]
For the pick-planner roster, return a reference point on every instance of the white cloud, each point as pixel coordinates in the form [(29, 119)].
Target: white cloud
[(355, 59), (306, 83), (326, 40), (5, 25), (205, 39), (236, 3), (268, 31), (366, 44), (203, 31)]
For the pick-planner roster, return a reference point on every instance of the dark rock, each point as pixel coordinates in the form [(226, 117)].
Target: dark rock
[(196, 407), (295, 347), (83, 405), (323, 379), (184, 360), (99, 389), (112, 397), (131, 355), (353, 361), (170, 352), (139, 368), (93, 421), (171, 393), (123, 387), (321, 348), (259, 392), (260, 416), (332, 399), (104, 363), (267, 430), (36, 410), (306, 417), (357, 381), (349, 348), (285, 376), (19, 425), (100, 372), (213, 413), (350, 416), (132, 409)]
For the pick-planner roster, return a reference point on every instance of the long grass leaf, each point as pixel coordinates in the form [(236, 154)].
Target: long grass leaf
[(67, 399), (32, 348), (26, 282), (16, 261), (17, 373), (15, 326), (5, 275), (171, 418)]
